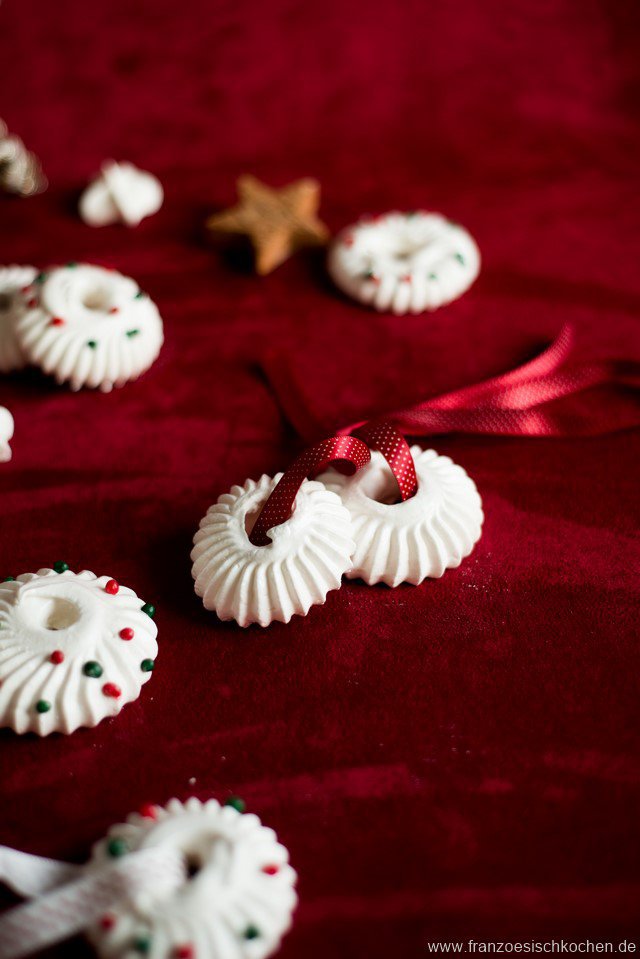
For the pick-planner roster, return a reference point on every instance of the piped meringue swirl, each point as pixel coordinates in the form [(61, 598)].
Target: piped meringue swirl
[(306, 558), (14, 281), (74, 648), (404, 262), (6, 434), (237, 898), (121, 193), (405, 542), (90, 327)]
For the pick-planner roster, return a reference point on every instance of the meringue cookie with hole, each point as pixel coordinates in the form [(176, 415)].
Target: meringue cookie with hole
[(406, 542), (307, 556), (236, 902), (74, 649), (121, 194), (404, 262), (6, 434), (14, 281), (90, 327)]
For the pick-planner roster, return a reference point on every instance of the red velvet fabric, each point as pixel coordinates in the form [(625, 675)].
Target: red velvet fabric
[(454, 760)]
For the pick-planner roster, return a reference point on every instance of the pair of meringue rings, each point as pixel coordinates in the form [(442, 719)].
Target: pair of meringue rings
[(340, 525)]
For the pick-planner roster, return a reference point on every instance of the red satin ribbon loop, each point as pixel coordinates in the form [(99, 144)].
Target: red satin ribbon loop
[(527, 401), (346, 452), (382, 436)]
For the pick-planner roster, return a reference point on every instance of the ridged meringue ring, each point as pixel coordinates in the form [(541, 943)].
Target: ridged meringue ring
[(237, 899), (74, 648), (14, 282), (405, 542), (404, 262), (307, 556), (90, 327)]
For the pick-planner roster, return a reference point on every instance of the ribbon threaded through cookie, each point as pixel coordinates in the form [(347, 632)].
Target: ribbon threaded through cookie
[(348, 454), (67, 899), (385, 438)]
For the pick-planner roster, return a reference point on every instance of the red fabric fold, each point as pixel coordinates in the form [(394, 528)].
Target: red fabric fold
[(551, 395), (455, 759)]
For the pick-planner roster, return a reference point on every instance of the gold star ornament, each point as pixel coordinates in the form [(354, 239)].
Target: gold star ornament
[(278, 222)]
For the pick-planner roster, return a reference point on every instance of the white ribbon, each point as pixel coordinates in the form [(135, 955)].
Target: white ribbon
[(66, 899)]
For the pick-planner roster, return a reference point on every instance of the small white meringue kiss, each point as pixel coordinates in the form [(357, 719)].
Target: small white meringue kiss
[(6, 433), (121, 194)]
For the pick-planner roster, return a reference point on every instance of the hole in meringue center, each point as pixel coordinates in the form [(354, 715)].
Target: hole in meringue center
[(205, 851), (250, 519), (50, 612), (5, 301), (192, 865), (98, 299), (406, 251), (382, 487)]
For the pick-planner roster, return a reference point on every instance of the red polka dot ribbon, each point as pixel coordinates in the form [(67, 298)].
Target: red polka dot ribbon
[(382, 436), (346, 453)]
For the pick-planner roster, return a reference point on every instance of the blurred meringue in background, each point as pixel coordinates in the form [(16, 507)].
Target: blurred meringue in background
[(20, 170), (6, 432), (121, 194)]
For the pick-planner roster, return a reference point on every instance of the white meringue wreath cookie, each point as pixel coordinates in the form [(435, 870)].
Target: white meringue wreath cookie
[(121, 194), (6, 434), (404, 262), (14, 288), (74, 649), (237, 898), (405, 542), (306, 557), (90, 327)]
